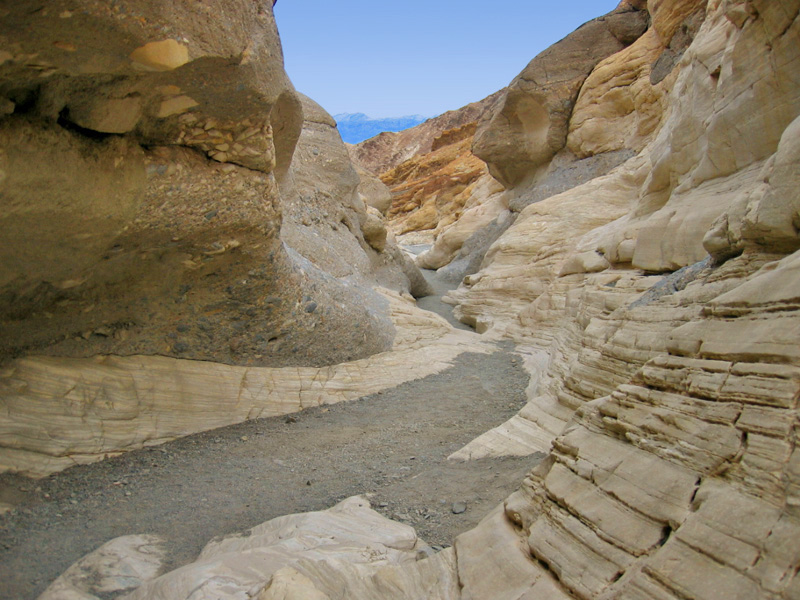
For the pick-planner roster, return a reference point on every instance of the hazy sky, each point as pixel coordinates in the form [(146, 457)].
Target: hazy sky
[(392, 58)]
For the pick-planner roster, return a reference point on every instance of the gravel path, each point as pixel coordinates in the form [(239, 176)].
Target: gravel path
[(392, 446)]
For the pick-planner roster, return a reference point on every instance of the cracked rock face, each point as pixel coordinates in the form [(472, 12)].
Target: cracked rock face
[(143, 151)]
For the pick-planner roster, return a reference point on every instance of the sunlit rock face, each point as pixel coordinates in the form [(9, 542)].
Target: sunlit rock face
[(144, 171), (532, 121), (387, 150), (444, 194), (658, 306), (431, 172), (346, 551)]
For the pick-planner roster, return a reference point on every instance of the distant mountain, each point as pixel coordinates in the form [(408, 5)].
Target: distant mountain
[(357, 127)]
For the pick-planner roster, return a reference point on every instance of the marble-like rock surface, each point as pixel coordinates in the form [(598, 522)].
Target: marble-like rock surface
[(346, 551), (64, 411), (717, 139)]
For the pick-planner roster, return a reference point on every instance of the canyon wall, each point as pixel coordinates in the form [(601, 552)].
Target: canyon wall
[(148, 167), (658, 308), (649, 276), (650, 279), (169, 198)]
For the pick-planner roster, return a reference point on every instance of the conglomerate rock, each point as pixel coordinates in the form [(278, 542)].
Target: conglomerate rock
[(146, 163)]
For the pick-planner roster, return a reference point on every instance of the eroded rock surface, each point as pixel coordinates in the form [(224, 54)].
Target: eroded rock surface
[(653, 291), (160, 231), (532, 120)]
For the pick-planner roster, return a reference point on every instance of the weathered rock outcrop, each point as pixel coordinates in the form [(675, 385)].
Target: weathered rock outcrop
[(326, 220), (532, 120), (658, 308), (159, 229), (667, 379), (58, 412), (388, 150), (432, 175), (430, 191), (347, 551), (166, 196), (445, 195)]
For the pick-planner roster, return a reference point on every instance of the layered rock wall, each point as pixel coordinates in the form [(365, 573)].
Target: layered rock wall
[(658, 309), (663, 335)]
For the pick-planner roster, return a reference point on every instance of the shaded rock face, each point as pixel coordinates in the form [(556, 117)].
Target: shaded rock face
[(144, 154), (327, 220), (531, 123)]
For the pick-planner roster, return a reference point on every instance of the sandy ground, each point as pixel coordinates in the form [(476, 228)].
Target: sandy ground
[(391, 446)]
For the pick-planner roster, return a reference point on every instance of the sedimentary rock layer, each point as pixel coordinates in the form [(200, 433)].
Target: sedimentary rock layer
[(59, 412)]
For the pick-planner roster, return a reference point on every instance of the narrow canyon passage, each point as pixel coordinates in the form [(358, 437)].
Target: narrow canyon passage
[(393, 446)]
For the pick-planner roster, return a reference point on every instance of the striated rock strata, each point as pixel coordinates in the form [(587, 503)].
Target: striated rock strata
[(657, 304), (60, 412)]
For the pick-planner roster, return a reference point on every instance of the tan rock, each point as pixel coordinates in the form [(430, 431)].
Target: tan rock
[(719, 124), (432, 190), (388, 150), (373, 191), (530, 254), (530, 124), (618, 107), (108, 115), (175, 106), (311, 555), (326, 218), (289, 584), (163, 55), (118, 566), (75, 216), (148, 400), (374, 230), (485, 204), (765, 215)]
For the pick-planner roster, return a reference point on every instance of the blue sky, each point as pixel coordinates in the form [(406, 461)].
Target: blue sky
[(395, 58)]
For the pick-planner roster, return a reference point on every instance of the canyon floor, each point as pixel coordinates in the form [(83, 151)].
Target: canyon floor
[(391, 447)]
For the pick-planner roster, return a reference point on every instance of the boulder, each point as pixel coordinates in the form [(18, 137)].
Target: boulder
[(531, 121), (174, 223)]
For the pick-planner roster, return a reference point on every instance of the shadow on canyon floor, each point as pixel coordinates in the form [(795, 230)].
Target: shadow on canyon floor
[(392, 446)]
